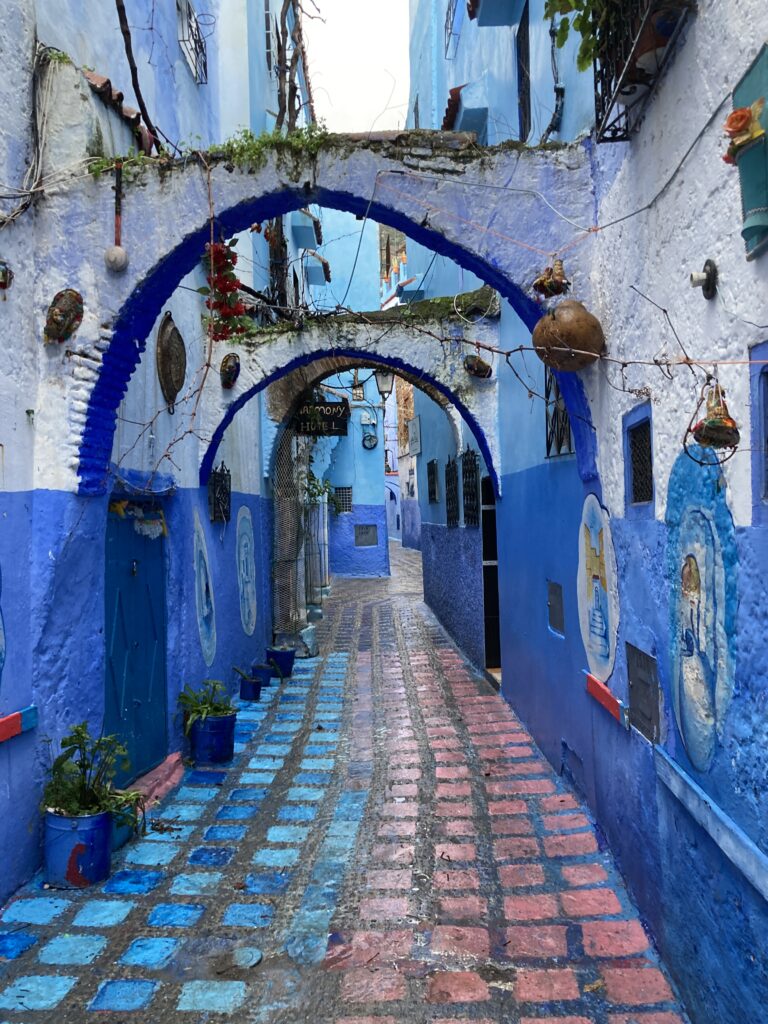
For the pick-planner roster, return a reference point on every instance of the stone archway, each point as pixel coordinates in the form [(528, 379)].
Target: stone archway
[(483, 208)]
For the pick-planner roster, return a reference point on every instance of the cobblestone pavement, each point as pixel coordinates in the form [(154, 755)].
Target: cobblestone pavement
[(388, 846)]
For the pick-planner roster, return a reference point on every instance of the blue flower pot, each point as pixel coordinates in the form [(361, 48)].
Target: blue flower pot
[(77, 850), (281, 660), (262, 673), (213, 739), (250, 689)]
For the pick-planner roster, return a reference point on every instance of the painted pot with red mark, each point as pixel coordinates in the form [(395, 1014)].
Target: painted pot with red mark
[(77, 850)]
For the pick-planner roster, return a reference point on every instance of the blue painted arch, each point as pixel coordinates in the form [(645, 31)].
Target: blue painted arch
[(138, 314)]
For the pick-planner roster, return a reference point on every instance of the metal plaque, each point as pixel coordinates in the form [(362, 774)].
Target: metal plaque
[(171, 360), (366, 536), (644, 711), (555, 606)]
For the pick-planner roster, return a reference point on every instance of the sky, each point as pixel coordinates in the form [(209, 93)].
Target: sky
[(358, 63)]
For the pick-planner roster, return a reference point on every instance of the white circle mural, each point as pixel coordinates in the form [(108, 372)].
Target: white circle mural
[(246, 570), (598, 595), (206, 608)]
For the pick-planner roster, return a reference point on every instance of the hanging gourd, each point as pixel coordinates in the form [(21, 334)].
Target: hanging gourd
[(65, 314), (568, 337)]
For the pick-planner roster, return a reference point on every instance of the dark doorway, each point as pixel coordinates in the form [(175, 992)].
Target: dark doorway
[(490, 577)]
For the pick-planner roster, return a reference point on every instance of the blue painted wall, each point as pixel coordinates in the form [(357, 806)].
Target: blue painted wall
[(452, 565), (346, 558)]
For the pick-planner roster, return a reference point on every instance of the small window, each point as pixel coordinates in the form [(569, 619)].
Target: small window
[(269, 41), (524, 76), (343, 498), (644, 699), (470, 487), (192, 40), (452, 492), (432, 487), (640, 462), (555, 607), (558, 426)]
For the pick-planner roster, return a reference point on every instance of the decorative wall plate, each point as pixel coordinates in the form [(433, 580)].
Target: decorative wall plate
[(229, 370), (65, 314), (370, 441), (171, 360)]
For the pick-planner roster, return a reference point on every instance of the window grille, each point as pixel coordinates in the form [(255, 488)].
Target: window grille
[(220, 495), (559, 439), (192, 40), (524, 75), (453, 19), (269, 45), (343, 498), (555, 607), (644, 698), (640, 462), (633, 46), (470, 487), (433, 495), (452, 492)]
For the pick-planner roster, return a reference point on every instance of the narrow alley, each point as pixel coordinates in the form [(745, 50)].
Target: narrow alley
[(387, 845)]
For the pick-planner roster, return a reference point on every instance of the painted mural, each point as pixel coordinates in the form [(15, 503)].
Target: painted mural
[(2, 633), (246, 570), (204, 602), (598, 592), (702, 566)]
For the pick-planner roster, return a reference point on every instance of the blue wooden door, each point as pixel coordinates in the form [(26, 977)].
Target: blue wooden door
[(136, 700)]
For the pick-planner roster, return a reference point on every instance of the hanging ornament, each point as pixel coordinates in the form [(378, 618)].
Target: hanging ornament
[(552, 281), (6, 278), (477, 367), (717, 429), (171, 356), (65, 314), (568, 337), (229, 370)]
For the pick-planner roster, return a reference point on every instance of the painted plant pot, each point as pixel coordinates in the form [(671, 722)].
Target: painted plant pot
[(213, 739), (261, 673), (250, 688), (281, 659), (77, 850)]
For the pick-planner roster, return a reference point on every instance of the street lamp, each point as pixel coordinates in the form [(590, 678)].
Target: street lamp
[(385, 381)]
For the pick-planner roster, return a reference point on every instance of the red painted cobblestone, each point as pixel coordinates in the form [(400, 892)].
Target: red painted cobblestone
[(461, 941), (613, 938), (462, 908), (635, 985), (546, 985), (584, 874), (457, 987), (536, 940)]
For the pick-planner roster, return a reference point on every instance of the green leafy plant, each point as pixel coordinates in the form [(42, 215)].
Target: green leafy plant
[(210, 701), (246, 150), (81, 778), (592, 19)]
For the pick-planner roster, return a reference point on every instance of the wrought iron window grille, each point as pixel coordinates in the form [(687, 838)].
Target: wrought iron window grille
[(558, 425), (452, 492), (634, 46), (641, 462), (470, 487), (433, 495), (192, 38), (454, 15), (343, 497), (523, 47), (220, 495)]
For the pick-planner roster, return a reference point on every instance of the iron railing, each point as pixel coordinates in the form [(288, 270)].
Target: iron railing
[(453, 19), (470, 487), (635, 41), (192, 40), (433, 497), (452, 492), (559, 441)]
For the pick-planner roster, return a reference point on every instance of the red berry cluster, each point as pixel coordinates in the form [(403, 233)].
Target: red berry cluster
[(228, 318)]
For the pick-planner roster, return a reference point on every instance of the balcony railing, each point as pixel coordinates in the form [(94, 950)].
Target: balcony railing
[(192, 38), (633, 48), (454, 18)]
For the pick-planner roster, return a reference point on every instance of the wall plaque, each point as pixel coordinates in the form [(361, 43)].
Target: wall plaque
[(366, 536), (322, 419)]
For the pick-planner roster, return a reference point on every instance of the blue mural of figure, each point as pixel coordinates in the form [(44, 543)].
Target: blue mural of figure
[(702, 567), (2, 633), (246, 570), (204, 602)]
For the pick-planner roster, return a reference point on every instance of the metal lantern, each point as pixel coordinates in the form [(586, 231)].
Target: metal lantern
[(6, 277), (717, 429), (220, 495)]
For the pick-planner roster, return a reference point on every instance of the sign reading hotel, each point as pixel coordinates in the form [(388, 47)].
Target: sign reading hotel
[(322, 419)]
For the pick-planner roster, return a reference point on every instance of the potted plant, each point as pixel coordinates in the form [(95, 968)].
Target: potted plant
[(82, 806), (251, 683), (281, 659), (209, 721)]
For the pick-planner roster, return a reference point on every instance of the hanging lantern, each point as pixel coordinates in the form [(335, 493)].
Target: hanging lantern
[(6, 278), (229, 370), (552, 281), (65, 314), (568, 337), (717, 429)]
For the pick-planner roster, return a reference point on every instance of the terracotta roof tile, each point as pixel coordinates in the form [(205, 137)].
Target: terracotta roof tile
[(113, 99), (452, 108), (473, 6)]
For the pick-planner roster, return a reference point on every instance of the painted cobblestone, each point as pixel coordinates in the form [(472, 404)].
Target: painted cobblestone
[(388, 845)]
